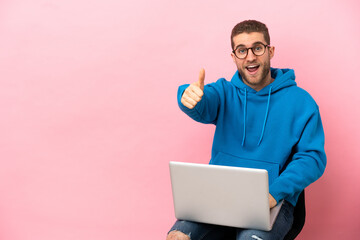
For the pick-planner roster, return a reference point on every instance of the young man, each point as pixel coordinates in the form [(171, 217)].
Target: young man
[(263, 120)]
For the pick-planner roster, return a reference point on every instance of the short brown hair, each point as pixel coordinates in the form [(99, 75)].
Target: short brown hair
[(249, 26)]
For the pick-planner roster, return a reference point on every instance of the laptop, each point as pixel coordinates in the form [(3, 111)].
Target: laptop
[(222, 195)]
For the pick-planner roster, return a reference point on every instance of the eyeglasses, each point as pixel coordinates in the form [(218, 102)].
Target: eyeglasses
[(258, 49)]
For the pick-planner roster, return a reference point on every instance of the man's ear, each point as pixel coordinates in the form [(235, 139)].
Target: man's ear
[(272, 51)]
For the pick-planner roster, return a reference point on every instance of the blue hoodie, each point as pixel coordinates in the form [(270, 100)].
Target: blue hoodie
[(277, 128)]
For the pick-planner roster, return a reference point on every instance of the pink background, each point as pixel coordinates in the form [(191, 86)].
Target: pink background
[(89, 119)]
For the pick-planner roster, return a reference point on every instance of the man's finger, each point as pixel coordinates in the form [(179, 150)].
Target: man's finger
[(190, 100), (195, 94), (201, 79), (186, 103), (196, 90)]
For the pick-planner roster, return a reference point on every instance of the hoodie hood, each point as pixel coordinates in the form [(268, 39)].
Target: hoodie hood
[(283, 78)]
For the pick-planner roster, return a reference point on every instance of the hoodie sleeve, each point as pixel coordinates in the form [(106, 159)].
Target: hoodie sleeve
[(307, 164), (205, 111)]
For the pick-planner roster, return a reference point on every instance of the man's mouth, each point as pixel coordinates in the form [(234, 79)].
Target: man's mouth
[(252, 69)]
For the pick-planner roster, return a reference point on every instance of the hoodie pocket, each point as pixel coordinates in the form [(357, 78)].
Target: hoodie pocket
[(234, 161)]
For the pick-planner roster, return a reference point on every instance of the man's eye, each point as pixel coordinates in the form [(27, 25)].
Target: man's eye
[(258, 48), (241, 50)]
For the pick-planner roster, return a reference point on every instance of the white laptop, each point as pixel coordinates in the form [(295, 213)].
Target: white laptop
[(222, 195)]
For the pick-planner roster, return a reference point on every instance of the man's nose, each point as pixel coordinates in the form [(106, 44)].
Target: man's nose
[(250, 55)]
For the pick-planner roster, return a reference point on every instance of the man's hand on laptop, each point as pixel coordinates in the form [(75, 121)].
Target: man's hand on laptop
[(272, 201), (192, 94)]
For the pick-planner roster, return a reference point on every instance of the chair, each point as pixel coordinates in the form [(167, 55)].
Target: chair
[(299, 218)]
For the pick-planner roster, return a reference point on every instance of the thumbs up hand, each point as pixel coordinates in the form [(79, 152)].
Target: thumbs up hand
[(193, 94)]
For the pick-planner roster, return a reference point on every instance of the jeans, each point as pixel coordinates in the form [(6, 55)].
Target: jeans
[(202, 231)]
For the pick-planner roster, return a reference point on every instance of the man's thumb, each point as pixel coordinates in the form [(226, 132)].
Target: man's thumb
[(201, 79)]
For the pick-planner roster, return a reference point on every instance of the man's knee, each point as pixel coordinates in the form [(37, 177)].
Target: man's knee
[(177, 235)]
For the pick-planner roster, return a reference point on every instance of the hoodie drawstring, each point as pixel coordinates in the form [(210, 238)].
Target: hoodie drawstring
[(266, 115), (243, 141)]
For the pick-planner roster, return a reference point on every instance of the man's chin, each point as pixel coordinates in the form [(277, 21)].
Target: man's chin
[(251, 80), (255, 80), (249, 77)]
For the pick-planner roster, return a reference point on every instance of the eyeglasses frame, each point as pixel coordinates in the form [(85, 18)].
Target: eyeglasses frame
[(252, 49)]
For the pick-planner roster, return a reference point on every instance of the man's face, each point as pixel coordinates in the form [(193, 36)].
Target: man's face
[(254, 70)]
